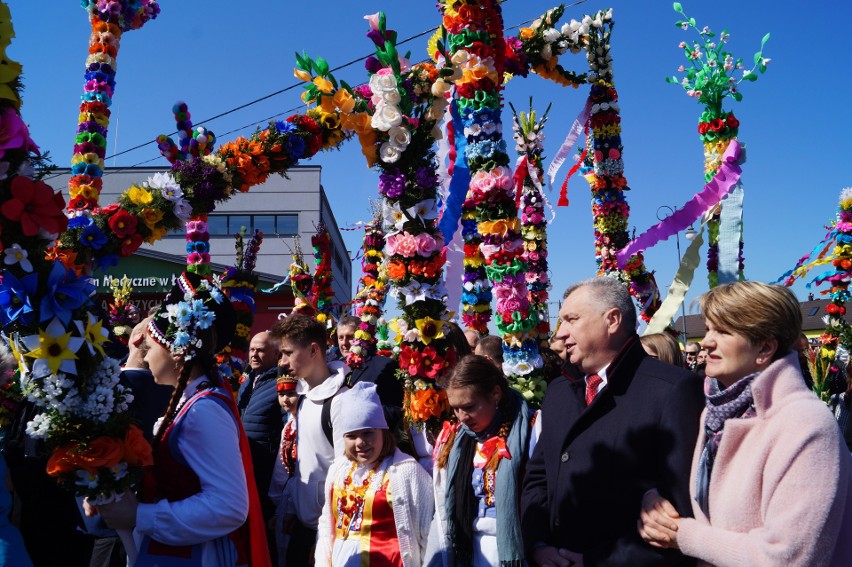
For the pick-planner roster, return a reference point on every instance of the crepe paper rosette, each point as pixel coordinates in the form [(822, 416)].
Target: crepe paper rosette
[(61, 346), (122, 314), (239, 283), (372, 286), (712, 75)]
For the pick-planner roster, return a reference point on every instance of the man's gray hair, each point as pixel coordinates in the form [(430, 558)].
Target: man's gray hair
[(609, 292)]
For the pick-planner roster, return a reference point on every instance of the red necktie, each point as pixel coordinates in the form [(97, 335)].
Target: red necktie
[(592, 383)]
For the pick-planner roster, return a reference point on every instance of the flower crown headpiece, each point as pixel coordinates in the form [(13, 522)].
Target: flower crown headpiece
[(193, 305)]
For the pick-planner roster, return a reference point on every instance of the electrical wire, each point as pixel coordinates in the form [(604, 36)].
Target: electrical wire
[(271, 95)]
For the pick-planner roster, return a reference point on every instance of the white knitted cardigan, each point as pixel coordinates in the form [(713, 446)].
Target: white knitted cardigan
[(411, 500)]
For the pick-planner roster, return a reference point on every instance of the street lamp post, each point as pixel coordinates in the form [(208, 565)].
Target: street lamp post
[(690, 234)]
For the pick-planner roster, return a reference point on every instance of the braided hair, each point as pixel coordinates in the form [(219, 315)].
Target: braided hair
[(202, 360)]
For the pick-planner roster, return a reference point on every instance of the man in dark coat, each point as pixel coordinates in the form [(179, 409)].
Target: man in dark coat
[(263, 418), (618, 425), (380, 370)]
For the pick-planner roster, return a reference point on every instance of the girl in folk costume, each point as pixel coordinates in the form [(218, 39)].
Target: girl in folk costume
[(196, 506), (281, 489), (379, 502), (479, 469)]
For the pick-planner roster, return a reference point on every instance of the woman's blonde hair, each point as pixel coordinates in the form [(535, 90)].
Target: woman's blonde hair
[(664, 347), (756, 311)]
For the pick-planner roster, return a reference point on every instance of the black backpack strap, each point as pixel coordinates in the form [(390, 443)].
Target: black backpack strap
[(325, 420)]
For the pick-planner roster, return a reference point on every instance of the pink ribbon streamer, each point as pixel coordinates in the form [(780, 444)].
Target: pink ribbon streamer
[(570, 141), (716, 190)]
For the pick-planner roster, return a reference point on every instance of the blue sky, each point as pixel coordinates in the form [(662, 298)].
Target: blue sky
[(217, 55)]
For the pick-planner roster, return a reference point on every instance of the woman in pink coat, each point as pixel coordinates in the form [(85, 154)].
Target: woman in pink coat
[(771, 475)]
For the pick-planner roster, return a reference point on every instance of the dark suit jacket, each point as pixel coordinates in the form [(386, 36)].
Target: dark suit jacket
[(149, 398), (381, 371), (585, 481)]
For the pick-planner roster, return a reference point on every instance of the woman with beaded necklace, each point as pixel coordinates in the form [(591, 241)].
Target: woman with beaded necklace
[(198, 505), (378, 504), (478, 470)]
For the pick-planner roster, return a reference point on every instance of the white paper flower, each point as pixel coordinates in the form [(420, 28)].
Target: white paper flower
[(399, 138), (388, 153), (17, 255)]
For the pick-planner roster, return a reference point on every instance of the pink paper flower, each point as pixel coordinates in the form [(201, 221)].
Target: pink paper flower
[(406, 245), (13, 133)]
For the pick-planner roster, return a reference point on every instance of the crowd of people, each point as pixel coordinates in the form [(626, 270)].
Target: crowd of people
[(642, 454)]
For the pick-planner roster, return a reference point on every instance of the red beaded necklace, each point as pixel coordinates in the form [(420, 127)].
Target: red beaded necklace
[(350, 504)]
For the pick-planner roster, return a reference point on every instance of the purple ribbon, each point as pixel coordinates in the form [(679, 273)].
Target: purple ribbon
[(570, 141), (716, 190)]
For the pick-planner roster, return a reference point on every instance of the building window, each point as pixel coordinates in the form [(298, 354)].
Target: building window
[(269, 225), (813, 312)]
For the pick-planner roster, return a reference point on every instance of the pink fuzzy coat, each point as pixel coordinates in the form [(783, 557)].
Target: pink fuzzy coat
[(781, 487)]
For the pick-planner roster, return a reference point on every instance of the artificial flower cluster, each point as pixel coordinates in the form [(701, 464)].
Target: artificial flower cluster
[(143, 213), (408, 182), (528, 133), (194, 142), (322, 292), (541, 44), (603, 168), (186, 317), (59, 343), (838, 333), (474, 35), (370, 299), (122, 314), (301, 281), (108, 19), (239, 284), (710, 77)]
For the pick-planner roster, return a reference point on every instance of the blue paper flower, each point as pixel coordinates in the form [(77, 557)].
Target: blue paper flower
[(284, 126), (94, 237), (106, 261), (80, 221), (65, 293), (15, 297)]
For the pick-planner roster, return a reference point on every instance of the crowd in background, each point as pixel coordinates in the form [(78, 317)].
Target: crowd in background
[(643, 453)]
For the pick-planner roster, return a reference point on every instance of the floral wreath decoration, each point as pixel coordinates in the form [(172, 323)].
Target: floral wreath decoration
[(370, 298), (59, 343), (194, 304), (239, 284), (122, 314), (710, 79), (322, 292)]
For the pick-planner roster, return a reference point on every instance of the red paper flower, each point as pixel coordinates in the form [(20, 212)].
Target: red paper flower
[(130, 244), (410, 360), (122, 223), (35, 206)]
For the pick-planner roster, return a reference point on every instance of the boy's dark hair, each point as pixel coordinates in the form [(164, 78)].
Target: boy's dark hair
[(492, 347), (301, 329)]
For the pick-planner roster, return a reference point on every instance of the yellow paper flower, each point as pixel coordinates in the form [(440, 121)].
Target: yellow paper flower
[(54, 348), (94, 334), (323, 84), (139, 196), (151, 216), (430, 329), (302, 75)]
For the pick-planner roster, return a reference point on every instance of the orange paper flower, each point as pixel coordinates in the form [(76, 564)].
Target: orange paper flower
[(426, 404), (100, 452)]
